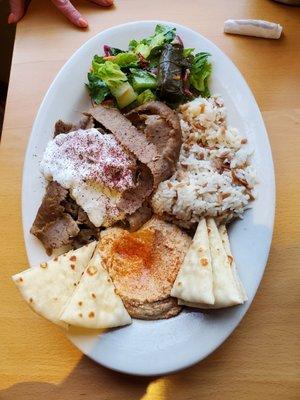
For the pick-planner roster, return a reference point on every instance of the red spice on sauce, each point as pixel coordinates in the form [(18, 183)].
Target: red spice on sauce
[(137, 245)]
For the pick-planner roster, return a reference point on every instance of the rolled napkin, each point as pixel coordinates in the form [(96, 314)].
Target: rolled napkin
[(253, 27)]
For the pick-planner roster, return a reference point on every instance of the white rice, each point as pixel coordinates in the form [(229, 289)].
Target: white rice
[(214, 176)]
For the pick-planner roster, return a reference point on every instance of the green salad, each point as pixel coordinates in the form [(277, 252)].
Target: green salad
[(157, 67)]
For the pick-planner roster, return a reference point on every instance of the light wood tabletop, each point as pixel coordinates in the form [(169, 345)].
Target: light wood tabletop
[(260, 360)]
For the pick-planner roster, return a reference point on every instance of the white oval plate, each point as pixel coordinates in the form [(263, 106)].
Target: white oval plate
[(159, 347)]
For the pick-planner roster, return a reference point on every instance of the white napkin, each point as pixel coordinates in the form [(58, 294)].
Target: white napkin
[(253, 27)]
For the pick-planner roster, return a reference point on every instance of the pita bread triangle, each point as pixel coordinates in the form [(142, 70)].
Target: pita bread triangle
[(48, 287), (194, 282), (226, 244), (226, 291), (95, 304)]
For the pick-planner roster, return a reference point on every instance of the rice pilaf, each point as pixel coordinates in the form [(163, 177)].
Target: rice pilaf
[(214, 176)]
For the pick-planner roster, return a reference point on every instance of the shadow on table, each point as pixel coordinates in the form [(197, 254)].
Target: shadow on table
[(90, 381)]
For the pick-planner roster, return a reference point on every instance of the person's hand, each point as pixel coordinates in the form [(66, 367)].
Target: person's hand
[(17, 10)]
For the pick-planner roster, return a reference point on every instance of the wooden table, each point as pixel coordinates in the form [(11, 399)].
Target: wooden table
[(261, 359)]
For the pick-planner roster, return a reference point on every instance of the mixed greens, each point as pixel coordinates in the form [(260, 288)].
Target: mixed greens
[(157, 67)]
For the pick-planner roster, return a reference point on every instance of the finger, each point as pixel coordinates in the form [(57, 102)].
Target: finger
[(70, 12), (17, 10), (103, 3)]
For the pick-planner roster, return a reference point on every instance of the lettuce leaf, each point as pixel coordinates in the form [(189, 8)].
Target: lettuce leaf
[(110, 73), (116, 81), (167, 31), (200, 73), (163, 34), (145, 96), (126, 60), (98, 90), (123, 59), (97, 60)]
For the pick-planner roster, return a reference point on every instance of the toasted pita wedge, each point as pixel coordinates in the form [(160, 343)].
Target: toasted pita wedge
[(194, 282), (226, 290), (94, 304), (47, 288), (226, 244), (230, 290)]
